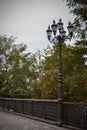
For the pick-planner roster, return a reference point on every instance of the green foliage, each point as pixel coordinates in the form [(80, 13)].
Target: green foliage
[(19, 92), (74, 72), (79, 9), (49, 74), (18, 70), (75, 79), (76, 83), (25, 75)]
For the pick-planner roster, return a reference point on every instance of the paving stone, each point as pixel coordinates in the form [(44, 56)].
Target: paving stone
[(14, 122)]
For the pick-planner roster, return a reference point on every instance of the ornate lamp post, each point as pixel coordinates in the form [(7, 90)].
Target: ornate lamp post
[(59, 39)]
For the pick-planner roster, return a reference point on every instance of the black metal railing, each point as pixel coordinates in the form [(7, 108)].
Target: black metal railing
[(74, 114)]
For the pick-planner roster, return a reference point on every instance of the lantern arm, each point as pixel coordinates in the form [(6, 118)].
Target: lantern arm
[(70, 35)]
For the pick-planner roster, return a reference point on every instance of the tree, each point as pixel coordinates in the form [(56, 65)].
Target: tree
[(5, 49), (74, 72), (35, 75), (18, 69), (49, 81), (79, 9), (75, 88), (78, 82)]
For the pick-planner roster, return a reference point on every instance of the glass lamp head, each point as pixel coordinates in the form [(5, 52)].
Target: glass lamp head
[(62, 33), (54, 27), (70, 29), (60, 24), (49, 33)]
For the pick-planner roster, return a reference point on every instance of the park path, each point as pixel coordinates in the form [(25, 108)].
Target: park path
[(10, 121)]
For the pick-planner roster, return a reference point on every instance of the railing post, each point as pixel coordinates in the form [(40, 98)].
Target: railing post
[(85, 113), (86, 118), (44, 110), (3, 103), (15, 105), (32, 112), (8, 105), (23, 106)]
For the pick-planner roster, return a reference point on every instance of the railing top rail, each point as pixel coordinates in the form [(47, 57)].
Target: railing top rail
[(45, 100), (38, 100), (75, 103)]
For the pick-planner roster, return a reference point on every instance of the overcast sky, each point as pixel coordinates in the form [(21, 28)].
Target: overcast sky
[(28, 20)]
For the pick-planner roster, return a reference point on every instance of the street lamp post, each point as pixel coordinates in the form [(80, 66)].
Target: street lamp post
[(59, 39)]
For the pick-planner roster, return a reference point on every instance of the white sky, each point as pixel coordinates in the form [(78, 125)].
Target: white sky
[(29, 19)]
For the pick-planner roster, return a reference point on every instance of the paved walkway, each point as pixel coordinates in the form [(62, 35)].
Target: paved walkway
[(14, 122)]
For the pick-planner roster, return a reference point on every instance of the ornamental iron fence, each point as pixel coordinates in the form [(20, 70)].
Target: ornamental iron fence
[(74, 114)]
